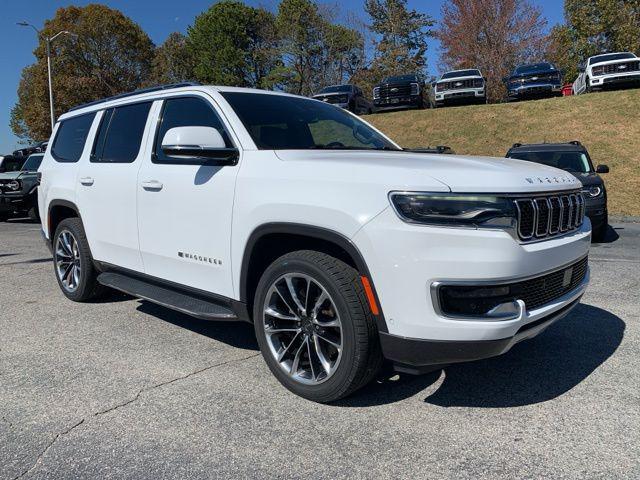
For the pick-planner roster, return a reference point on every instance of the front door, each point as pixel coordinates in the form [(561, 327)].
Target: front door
[(107, 185), (185, 206)]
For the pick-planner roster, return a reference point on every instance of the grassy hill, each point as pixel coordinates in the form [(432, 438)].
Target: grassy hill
[(608, 124)]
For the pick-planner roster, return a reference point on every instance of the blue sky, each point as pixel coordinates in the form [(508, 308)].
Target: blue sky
[(158, 18)]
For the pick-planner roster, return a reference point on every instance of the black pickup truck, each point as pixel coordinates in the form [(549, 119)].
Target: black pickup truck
[(400, 91), (535, 80)]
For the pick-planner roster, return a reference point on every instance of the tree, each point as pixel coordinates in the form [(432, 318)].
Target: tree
[(592, 27), (300, 26), (401, 37), (110, 55), (492, 35), (234, 44), (173, 61)]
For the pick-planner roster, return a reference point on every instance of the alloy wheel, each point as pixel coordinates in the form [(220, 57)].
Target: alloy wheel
[(67, 261), (303, 328)]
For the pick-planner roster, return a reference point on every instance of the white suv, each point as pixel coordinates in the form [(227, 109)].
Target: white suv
[(341, 248)]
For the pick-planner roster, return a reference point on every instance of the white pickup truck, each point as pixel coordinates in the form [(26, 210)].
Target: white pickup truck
[(607, 70), (339, 246)]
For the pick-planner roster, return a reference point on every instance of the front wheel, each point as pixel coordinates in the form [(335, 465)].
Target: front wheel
[(314, 326)]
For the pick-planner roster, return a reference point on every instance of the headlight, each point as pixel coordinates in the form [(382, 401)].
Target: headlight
[(478, 82), (450, 209), (13, 185), (592, 191), (597, 71)]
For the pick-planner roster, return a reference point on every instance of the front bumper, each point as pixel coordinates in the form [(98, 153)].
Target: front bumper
[(615, 79), (406, 260), (413, 355), (445, 96), (535, 90), (389, 103), (15, 202)]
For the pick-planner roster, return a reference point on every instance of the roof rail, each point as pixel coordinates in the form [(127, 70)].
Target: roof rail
[(516, 145), (155, 88), (575, 142)]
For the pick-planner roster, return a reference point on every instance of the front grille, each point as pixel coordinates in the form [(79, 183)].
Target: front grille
[(542, 77), (546, 216), (469, 83), (478, 300), (390, 91), (632, 66)]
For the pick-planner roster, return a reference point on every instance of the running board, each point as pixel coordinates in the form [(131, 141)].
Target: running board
[(167, 297)]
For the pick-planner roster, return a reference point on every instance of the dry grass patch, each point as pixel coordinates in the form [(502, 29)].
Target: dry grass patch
[(608, 124)]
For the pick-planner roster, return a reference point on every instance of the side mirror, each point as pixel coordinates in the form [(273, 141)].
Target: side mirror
[(362, 133), (581, 68), (602, 169), (198, 144)]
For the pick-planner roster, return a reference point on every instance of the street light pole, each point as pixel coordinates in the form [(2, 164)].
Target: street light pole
[(47, 41)]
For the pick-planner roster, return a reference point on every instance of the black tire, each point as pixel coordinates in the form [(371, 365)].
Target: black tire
[(361, 354), (587, 87), (34, 214), (600, 232), (88, 287)]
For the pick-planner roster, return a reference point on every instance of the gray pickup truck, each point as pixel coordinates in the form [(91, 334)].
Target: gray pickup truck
[(19, 189)]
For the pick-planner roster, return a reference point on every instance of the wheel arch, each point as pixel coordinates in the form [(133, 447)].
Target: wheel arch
[(272, 240), (59, 210)]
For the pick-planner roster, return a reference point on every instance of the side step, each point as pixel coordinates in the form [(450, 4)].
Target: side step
[(183, 302)]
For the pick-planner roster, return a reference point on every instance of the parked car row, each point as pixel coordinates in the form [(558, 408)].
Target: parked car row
[(468, 86)]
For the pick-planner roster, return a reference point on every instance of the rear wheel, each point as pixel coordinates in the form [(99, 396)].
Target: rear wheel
[(73, 263), (314, 326), (600, 232)]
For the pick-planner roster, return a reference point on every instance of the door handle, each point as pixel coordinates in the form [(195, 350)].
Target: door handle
[(87, 181), (152, 185)]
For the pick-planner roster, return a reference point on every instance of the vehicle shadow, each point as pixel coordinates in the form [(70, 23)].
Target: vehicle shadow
[(534, 371), (235, 334)]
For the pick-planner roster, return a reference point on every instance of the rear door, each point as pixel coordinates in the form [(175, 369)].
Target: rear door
[(184, 205), (107, 185)]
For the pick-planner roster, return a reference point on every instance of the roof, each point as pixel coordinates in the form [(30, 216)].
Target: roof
[(158, 92), (574, 146)]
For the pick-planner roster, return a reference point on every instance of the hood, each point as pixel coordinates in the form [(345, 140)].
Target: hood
[(11, 175), (332, 94), (534, 73), (457, 79), (614, 62), (588, 179), (457, 173)]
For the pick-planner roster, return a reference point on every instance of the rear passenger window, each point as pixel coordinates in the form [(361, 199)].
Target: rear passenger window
[(120, 134), (71, 137), (186, 112)]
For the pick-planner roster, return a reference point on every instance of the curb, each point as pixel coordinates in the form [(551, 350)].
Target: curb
[(623, 219)]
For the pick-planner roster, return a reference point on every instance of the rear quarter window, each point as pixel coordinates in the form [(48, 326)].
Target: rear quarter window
[(71, 138)]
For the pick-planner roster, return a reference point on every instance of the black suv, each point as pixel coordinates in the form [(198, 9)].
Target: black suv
[(349, 97), (535, 80), (574, 158), (19, 189), (401, 91)]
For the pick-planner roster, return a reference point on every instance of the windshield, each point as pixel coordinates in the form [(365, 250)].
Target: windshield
[(534, 68), (336, 88), (12, 164), (279, 122), (609, 57), (461, 73), (570, 161), (401, 78), (33, 163)]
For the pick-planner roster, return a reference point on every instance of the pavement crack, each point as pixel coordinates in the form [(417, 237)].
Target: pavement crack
[(46, 449), (124, 404), (173, 380)]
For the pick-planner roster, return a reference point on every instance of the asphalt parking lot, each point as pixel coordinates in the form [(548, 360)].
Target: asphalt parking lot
[(126, 389)]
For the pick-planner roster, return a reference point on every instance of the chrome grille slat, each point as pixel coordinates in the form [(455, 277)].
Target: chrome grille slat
[(543, 216)]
